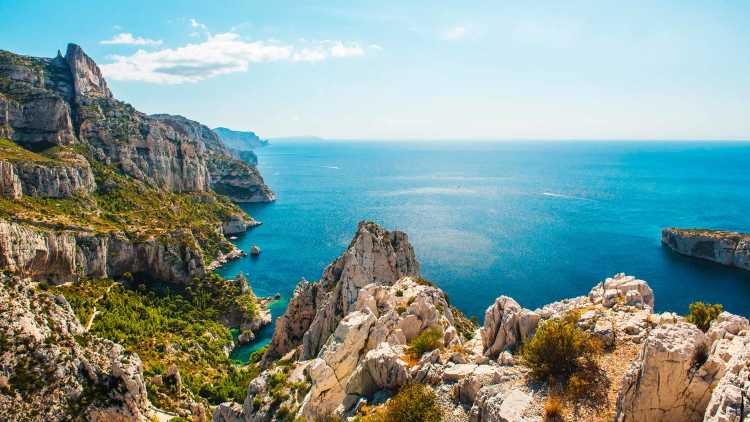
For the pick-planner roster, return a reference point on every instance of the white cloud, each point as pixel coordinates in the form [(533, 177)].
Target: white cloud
[(126, 38), (217, 55), (195, 24), (454, 34), (322, 50)]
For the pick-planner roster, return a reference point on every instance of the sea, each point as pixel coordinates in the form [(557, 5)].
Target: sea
[(537, 221)]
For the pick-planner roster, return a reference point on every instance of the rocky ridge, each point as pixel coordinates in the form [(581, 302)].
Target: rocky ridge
[(723, 247), (656, 366)]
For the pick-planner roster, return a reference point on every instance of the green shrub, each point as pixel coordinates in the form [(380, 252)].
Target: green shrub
[(399, 293), (559, 349), (427, 341), (413, 403), (701, 314)]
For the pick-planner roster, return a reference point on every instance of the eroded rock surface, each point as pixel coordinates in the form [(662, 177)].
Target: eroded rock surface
[(374, 256)]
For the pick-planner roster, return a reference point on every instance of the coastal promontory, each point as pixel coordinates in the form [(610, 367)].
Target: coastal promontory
[(724, 247)]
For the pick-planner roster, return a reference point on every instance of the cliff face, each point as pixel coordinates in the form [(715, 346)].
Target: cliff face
[(52, 370), (727, 248), (68, 255), (229, 176)]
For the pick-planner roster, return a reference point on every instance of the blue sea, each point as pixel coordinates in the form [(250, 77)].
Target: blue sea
[(538, 221)]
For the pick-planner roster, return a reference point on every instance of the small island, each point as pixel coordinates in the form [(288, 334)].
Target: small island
[(724, 247)]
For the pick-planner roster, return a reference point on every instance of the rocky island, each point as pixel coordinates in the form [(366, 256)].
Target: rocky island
[(723, 247)]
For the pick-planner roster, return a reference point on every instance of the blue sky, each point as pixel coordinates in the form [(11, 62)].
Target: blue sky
[(417, 69)]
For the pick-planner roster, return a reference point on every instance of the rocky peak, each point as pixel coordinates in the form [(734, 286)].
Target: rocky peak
[(87, 78), (375, 256)]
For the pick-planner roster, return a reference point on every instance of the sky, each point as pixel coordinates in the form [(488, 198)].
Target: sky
[(416, 70)]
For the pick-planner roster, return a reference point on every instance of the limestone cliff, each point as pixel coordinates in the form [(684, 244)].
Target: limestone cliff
[(61, 256), (230, 176), (727, 248), (52, 370)]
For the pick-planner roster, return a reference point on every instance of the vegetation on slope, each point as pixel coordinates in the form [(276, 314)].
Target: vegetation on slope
[(701, 314), (412, 403), (170, 326), (122, 204)]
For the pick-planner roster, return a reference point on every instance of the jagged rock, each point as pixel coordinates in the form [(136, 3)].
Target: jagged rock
[(67, 255), (374, 256), (727, 248), (622, 289), (482, 375), (228, 412), (87, 78), (34, 96), (729, 400), (55, 366), (339, 357), (506, 325), (727, 326), (255, 250), (386, 368), (669, 381), (500, 404)]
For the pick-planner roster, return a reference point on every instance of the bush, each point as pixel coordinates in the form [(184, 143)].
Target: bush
[(701, 314), (559, 349), (553, 409), (427, 341), (399, 293), (413, 403)]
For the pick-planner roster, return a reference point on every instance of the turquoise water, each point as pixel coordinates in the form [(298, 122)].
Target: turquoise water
[(535, 221)]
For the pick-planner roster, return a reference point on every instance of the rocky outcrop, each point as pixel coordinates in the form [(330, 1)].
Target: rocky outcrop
[(238, 223), (238, 180), (230, 176), (683, 374), (374, 256), (67, 175), (506, 326), (723, 247), (668, 382), (729, 400), (87, 78), (52, 370), (622, 289), (65, 256)]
